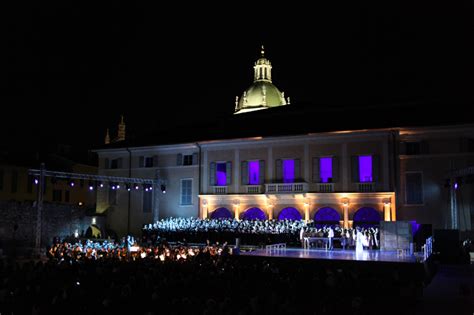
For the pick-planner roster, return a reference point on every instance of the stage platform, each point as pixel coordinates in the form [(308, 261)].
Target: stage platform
[(337, 254)]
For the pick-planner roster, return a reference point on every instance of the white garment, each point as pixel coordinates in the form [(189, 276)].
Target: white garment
[(359, 247)]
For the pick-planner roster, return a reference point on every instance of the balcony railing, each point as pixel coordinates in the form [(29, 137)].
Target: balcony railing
[(325, 187), (365, 187), (219, 190), (253, 189), (286, 188)]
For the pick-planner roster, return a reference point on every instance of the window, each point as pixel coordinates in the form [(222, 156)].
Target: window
[(186, 192), (67, 194), (325, 169), (57, 195), (114, 164), (112, 195), (149, 161), (147, 201), (14, 181), (254, 172), (365, 169), (188, 159), (221, 174), (414, 188), (412, 148), (288, 171)]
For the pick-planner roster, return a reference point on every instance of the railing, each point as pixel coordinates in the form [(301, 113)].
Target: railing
[(366, 187), (219, 190), (325, 187), (427, 248), (253, 189), (278, 246), (286, 188)]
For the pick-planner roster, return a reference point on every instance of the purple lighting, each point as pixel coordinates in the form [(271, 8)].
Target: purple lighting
[(254, 214), (455, 185), (254, 171), (325, 169), (221, 213), (36, 181), (365, 168), (289, 213), (366, 216), (221, 174), (288, 171)]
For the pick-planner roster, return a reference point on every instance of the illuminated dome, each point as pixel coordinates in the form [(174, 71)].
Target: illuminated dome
[(262, 94)]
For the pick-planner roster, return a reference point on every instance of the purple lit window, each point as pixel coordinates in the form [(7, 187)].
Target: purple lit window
[(254, 171), (253, 214), (221, 178), (365, 168), (288, 171), (325, 169)]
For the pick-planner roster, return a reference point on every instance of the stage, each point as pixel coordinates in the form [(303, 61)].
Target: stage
[(336, 254)]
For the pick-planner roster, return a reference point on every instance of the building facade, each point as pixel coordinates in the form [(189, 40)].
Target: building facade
[(341, 176)]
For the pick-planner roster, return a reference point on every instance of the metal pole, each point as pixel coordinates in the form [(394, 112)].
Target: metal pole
[(454, 210), (39, 208)]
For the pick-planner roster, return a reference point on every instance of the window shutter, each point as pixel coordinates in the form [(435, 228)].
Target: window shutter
[(298, 170), (141, 161), (316, 176), (228, 173), (179, 159), (195, 158), (279, 170), (424, 147), (106, 163), (119, 162), (403, 148), (375, 168), (355, 169), (335, 169), (212, 173), (155, 161), (261, 170), (244, 172)]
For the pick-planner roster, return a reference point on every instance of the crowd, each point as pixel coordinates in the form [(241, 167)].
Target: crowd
[(253, 232), (231, 285)]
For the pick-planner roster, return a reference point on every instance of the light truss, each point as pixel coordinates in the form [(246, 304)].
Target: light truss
[(92, 177)]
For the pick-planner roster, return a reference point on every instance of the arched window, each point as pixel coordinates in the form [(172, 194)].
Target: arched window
[(221, 213), (326, 216), (289, 213), (253, 214), (366, 216)]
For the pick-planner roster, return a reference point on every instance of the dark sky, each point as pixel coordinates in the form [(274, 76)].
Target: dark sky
[(69, 72)]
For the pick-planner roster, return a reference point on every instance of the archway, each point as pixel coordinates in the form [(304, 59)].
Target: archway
[(326, 216), (221, 213), (253, 214), (289, 213), (366, 216)]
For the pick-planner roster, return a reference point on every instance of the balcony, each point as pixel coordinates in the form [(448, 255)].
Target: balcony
[(253, 189), (286, 188), (365, 187), (219, 190), (325, 187)]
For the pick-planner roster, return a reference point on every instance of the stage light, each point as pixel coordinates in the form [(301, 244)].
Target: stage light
[(137, 187), (118, 186), (80, 203), (36, 181), (91, 187), (113, 187), (163, 189), (101, 185), (456, 185), (128, 187), (71, 183)]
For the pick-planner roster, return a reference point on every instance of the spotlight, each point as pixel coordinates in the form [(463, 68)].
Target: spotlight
[(136, 187), (456, 185), (36, 181), (128, 187), (101, 185), (71, 183), (91, 186), (113, 187), (163, 188), (118, 186)]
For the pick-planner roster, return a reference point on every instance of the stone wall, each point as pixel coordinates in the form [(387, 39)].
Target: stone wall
[(395, 235), (57, 220)]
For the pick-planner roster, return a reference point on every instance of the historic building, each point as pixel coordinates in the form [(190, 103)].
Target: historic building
[(296, 167)]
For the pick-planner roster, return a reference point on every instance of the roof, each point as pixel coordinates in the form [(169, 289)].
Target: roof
[(300, 119)]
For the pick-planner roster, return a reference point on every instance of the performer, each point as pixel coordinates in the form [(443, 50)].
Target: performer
[(359, 247), (330, 237)]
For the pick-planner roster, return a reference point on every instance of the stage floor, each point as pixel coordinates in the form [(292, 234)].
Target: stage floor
[(337, 254)]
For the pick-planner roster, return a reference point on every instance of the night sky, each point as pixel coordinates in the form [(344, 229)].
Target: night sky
[(79, 68)]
